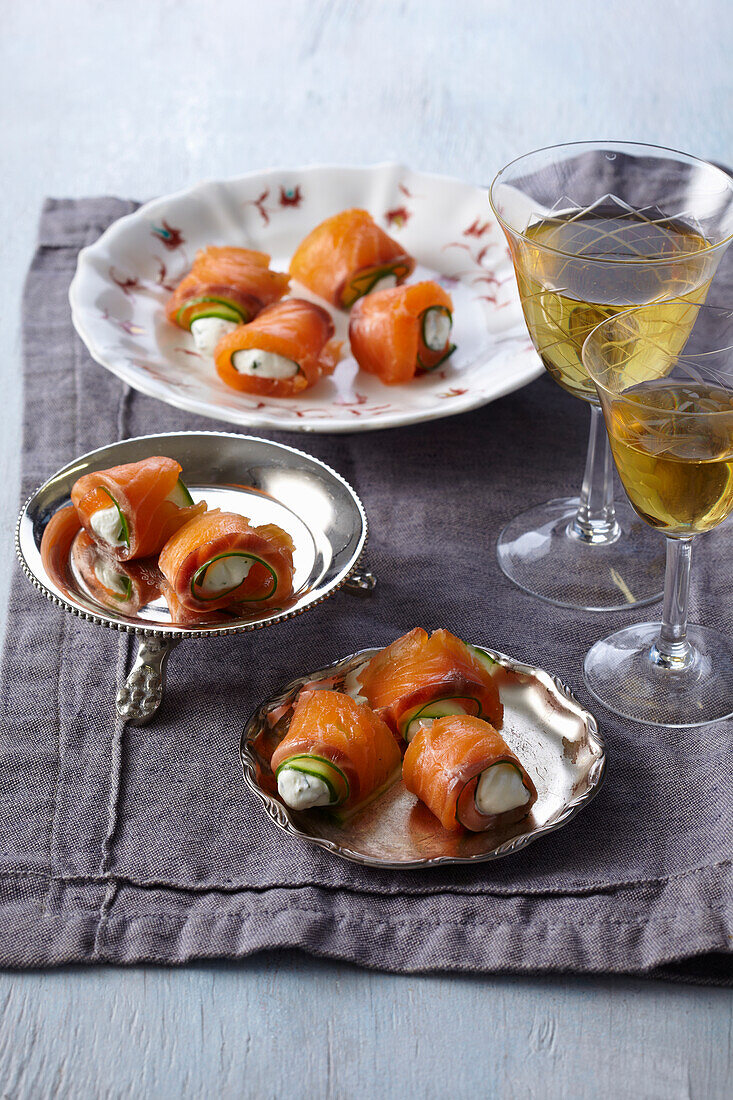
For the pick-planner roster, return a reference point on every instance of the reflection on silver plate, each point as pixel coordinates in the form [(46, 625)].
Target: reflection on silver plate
[(555, 738), (265, 481)]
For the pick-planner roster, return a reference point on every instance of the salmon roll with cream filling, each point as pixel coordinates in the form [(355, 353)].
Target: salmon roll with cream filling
[(226, 287), (337, 752), (220, 560), (132, 510), (467, 775), (124, 586), (420, 678), (58, 537), (184, 616), (400, 333), (284, 351), (347, 256)]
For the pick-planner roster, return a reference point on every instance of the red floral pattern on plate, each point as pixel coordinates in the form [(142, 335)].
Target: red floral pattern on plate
[(475, 262)]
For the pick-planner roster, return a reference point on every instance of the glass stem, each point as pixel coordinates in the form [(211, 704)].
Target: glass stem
[(595, 520), (672, 649)]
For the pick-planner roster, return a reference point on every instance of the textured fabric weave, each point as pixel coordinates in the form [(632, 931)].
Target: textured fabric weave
[(122, 845)]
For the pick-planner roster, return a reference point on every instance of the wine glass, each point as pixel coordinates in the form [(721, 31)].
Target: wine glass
[(594, 228), (668, 406)]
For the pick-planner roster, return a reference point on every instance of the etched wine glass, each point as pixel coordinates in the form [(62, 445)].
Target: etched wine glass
[(594, 228), (668, 406)]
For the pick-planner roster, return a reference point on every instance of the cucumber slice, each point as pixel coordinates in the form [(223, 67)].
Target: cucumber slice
[(364, 281), (438, 708), (124, 529), (481, 655), (200, 573), (426, 318), (421, 366), (195, 308), (127, 595), (320, 768), (180, 495)]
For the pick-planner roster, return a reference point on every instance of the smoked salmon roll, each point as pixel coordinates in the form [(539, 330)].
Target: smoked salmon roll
[(418, 679), (124, 586), (58, 538), (219, 560), (226, 287), (183, 616), (399, 333), (284, 351), (337, 752), (467, 775), (348, 256), (131, 511)]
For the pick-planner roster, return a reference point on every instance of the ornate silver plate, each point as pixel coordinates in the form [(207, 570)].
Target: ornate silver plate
[(557, 740), (266, 481)]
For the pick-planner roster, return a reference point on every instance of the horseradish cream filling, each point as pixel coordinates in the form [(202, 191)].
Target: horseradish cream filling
[(208, 331), (499, 789), (301, 791), (225, 574), (436, 328), (264, 364), (107, 525), (110, 578)]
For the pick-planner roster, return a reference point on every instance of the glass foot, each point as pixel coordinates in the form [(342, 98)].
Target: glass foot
[(537, 553), (621, 675)]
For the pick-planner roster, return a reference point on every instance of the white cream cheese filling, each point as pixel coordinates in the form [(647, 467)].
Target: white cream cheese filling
[(387, 282), (226, 573), (108, 576), (499, 789), (436, 328), (301, 791), (264, 364), (208, 331), (107, 525)]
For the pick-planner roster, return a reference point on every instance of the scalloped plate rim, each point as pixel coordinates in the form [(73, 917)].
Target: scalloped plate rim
[(279, 814)]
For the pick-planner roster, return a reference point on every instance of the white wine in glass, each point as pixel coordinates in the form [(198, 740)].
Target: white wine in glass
[(563, 300), (671, 429), (593, 229)]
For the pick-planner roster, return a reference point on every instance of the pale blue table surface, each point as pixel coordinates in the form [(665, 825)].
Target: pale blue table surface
[(148, 96)]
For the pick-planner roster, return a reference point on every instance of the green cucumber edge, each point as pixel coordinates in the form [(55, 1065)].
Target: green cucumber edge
[(423, 319), (443, 699), (483, 657), (201, 571), (128, 589), (352, 292), (182, 490), (421, 366), (123, 520), (318, 773), (126, 595), (220, 307)]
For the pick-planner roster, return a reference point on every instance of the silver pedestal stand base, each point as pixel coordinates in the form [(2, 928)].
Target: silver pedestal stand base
[(140, 696)]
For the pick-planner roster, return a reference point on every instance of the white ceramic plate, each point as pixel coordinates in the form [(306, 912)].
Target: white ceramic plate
[(123, 280)]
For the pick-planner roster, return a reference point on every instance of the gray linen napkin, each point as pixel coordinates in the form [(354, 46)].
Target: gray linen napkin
[(123, 845)]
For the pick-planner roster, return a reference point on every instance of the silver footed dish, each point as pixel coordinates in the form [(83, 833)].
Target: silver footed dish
[(557, 740), (268, 482)]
